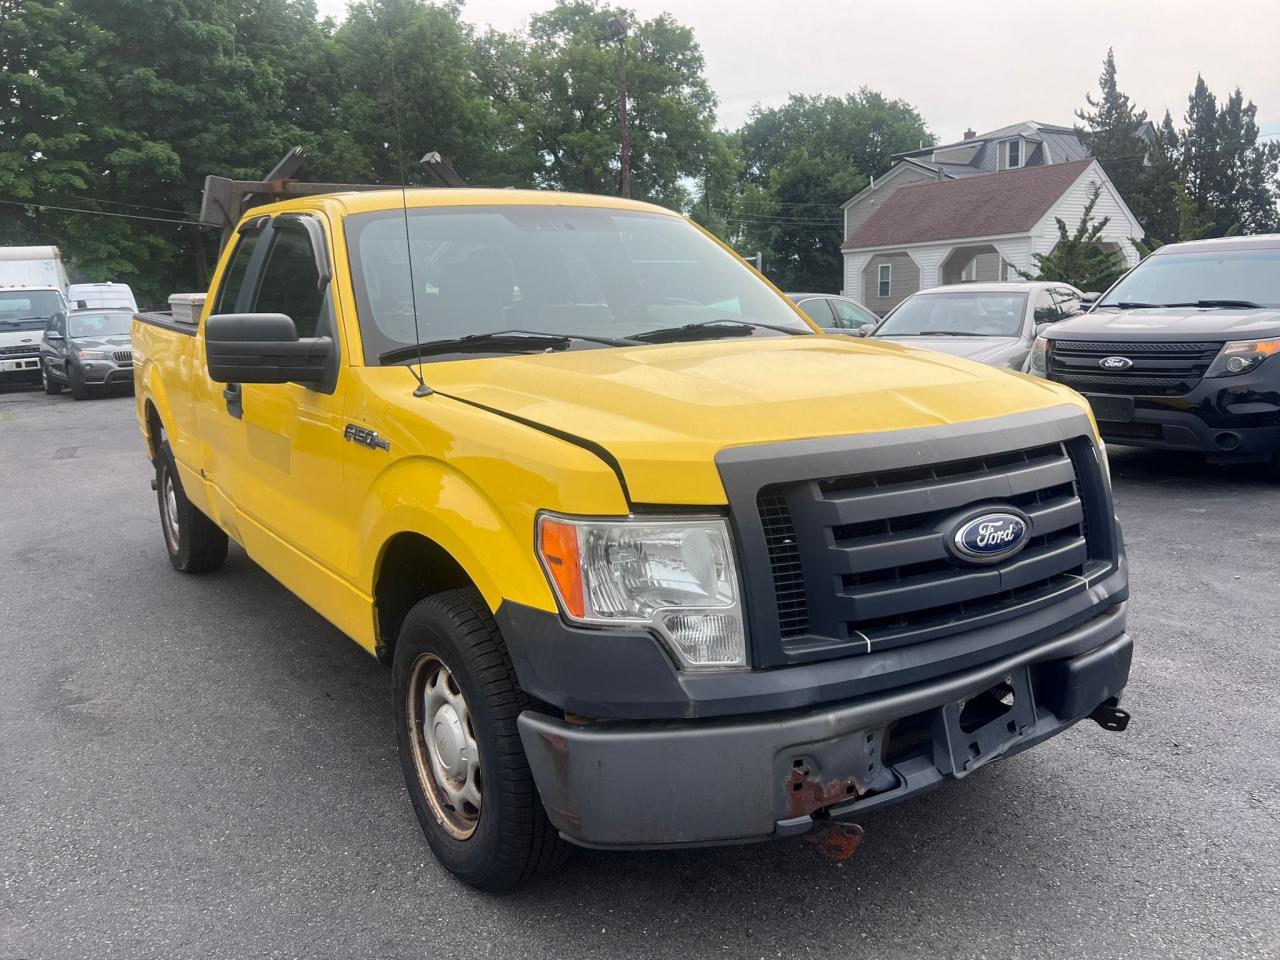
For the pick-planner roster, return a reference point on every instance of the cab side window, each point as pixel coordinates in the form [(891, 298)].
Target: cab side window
[(819, 311), (848, 316), (290, 283), (1068, 302), (233, 278), (1046, 311)]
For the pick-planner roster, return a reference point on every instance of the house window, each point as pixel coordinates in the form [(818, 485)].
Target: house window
[(1013, 156), (886, 280)]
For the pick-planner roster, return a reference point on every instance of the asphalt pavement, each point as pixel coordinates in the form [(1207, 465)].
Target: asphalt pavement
[(202, 767)]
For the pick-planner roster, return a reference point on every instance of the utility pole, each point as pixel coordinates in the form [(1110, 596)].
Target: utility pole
[(618, 27)]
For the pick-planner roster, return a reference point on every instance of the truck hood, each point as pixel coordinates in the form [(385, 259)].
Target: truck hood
[(989, 350), (1169, 323), (663, 412)]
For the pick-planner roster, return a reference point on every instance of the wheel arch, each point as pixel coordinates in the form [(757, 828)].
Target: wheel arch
[(411, 567)]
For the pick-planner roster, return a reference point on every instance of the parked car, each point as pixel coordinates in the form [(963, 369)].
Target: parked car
[(88, 296), (992, 323), (653, 563), (87, 350), (25, 312), (836, 314), (1180, 354)]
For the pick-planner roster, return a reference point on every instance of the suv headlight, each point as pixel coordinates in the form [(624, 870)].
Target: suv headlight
[(1241, 356), (1039, 364), (675, 576), (93, 355)]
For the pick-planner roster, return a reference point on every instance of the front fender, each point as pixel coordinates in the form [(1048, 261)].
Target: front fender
[(428, 497)]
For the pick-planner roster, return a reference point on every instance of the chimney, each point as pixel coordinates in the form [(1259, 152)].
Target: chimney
[(970, 134)]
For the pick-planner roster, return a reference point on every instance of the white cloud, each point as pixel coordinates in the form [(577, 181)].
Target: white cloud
[(975, 64)]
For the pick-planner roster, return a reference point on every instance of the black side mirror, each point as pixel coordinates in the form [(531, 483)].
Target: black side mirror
[(1046, 315), (52, 334), (263, 348)]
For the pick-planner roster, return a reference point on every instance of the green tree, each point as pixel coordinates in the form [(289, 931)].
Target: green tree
[(1113, 136), (800, 162), (1080, 258), (1192, 223), (560, 83), (42, 61)]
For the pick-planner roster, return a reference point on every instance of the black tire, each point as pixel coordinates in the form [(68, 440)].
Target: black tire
[(511, 841), (79, 389), (51, 386), (1273, 468), (195, 543)]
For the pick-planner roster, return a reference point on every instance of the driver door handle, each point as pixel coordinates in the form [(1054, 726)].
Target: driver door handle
[(234, 395)]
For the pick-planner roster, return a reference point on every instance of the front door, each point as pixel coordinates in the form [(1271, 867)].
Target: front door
[(285, 476)]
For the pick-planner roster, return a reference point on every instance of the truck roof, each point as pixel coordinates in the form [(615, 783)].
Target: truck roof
[(30, 253), (368, 201)]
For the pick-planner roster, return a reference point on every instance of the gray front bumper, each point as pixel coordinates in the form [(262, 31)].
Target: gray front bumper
[(664, 783)]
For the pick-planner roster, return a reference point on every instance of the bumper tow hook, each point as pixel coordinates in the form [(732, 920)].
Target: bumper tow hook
[(1109, 717), (836, 841)]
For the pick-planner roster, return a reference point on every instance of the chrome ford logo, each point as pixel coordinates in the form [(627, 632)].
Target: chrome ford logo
[(1115, 363), (992, 536)]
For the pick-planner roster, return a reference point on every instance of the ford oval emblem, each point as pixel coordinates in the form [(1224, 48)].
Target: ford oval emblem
[(991, 537), (1115, 363)]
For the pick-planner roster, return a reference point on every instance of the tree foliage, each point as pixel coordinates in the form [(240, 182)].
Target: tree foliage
[(1212, 177), (797, 164), (1080, 257)]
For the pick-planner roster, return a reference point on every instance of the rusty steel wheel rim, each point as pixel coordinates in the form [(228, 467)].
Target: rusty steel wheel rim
[(445, 753), (169, 511)]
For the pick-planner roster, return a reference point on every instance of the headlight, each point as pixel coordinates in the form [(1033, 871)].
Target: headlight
[(674, 576), (93, 355), (1039, 357), (1241, 356)]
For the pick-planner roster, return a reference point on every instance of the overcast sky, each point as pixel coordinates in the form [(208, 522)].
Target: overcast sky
[(975, 64)]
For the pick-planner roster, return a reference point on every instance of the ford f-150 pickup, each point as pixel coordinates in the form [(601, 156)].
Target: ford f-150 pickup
[(652, 561)]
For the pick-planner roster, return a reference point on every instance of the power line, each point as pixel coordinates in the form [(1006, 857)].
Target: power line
[(98, 213), (121, 203)]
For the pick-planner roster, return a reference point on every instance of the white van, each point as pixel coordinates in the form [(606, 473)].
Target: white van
[(93, 296)]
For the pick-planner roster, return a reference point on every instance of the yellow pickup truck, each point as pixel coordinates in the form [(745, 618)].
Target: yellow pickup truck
[(652, 561)]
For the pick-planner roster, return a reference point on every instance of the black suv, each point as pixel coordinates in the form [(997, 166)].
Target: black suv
[(1181, 353)]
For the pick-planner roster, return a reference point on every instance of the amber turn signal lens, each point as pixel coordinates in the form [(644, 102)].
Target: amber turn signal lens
[(558, 544)]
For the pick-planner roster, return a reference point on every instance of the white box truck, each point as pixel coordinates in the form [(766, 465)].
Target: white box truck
[(32, 291)]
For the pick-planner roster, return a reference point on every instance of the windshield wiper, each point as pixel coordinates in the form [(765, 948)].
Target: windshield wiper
[(1134, 305), (23, 319), (952, 333), (1236, 304), (711, 329), (498, 341)]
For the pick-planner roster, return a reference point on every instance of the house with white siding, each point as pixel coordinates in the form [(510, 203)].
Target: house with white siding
[(975, 211)]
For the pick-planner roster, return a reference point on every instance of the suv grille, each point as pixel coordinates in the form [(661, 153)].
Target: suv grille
[(21, 350), (845, 563), (123, 356), (1159, 369)]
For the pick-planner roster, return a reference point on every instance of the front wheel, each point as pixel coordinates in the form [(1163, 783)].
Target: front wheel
[(79, 389), (194, 542), (456, 700), (51, 386)]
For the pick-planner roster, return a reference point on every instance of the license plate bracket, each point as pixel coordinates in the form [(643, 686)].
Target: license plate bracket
[(962, 744), (1113, 409)]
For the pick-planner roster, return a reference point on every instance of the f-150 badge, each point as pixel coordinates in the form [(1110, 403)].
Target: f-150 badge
[(365, 437)]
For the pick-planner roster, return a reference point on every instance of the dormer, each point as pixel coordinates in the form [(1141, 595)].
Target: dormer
[(1011, 153)]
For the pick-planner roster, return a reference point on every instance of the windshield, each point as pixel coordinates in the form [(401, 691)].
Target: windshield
[(563, 270), (113, 323), (1250, 276), (963, 313), (28, 309)]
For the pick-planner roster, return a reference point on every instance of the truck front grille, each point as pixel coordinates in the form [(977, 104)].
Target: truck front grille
[(21, 350), (860, 562), (1159, 369)]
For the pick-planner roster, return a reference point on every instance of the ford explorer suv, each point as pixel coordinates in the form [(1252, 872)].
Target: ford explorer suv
[(1180, 353), (652, 561)]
